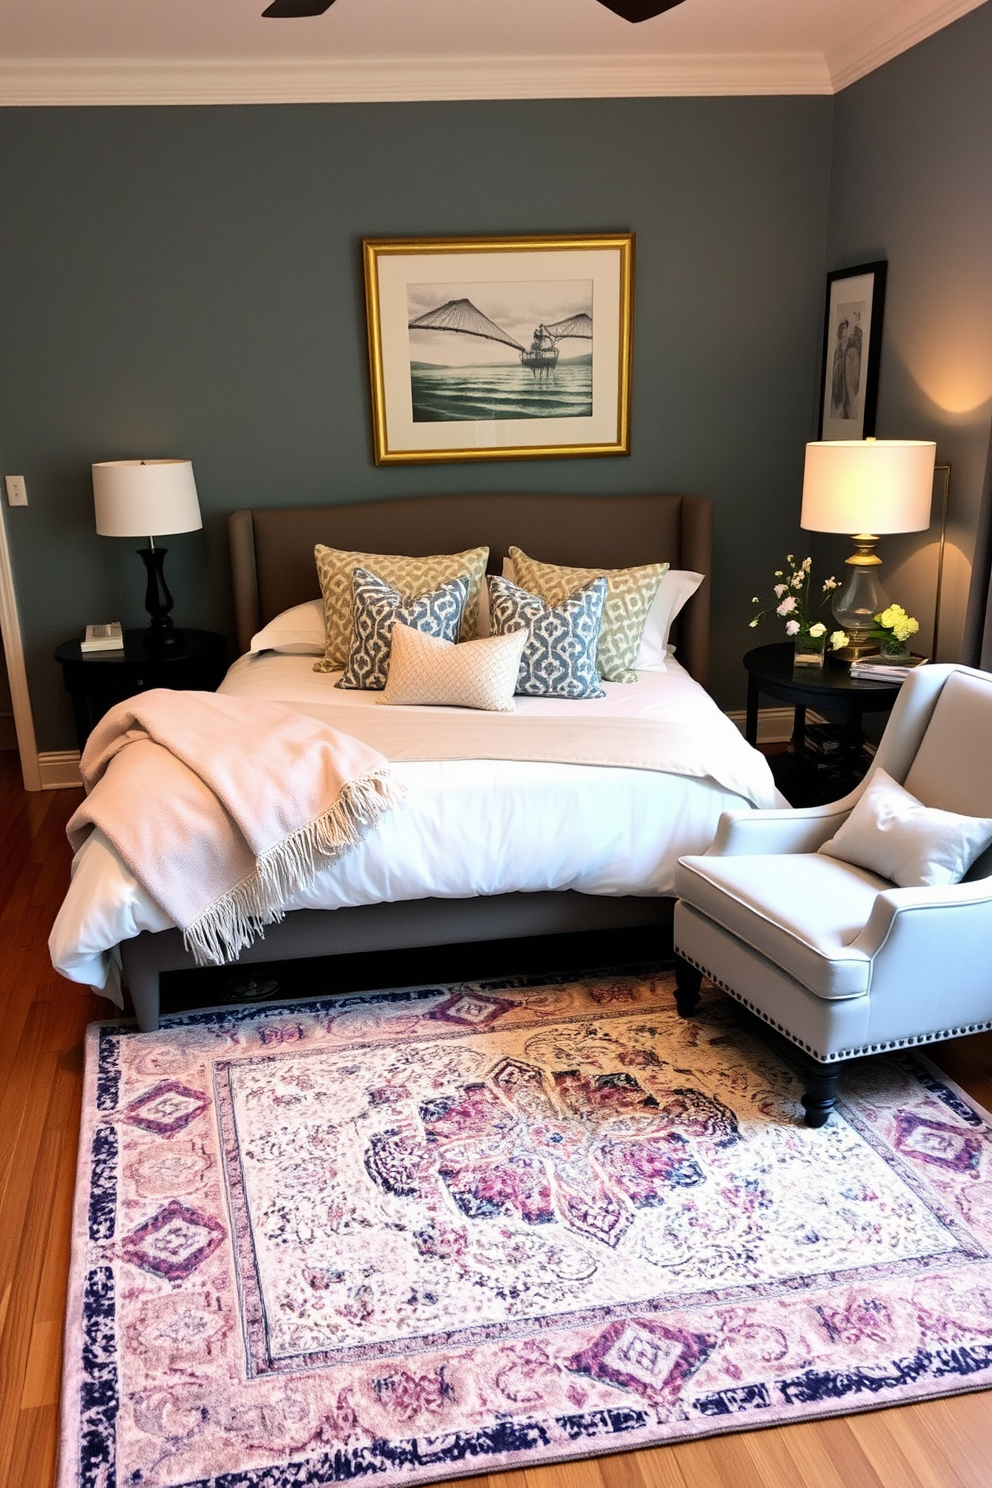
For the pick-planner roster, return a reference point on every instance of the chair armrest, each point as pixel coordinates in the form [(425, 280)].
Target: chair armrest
[(902, 916), (779, 831)]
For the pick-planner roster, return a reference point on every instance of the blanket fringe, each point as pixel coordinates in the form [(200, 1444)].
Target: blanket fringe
[(238, 917)]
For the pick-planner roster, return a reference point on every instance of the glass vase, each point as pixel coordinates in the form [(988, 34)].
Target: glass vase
[(810, 651), (895, 649)]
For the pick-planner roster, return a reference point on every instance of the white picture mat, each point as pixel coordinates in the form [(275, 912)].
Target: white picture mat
[(602, 266)]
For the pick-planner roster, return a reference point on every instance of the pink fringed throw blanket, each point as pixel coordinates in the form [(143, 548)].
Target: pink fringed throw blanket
[(225, 807)]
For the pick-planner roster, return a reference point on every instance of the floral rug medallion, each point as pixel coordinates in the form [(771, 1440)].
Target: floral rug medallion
[(425, 1233)]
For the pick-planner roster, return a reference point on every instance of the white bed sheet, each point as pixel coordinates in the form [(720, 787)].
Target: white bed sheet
[(466, 827)]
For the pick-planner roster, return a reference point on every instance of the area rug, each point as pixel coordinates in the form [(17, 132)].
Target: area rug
[(419, 1234)]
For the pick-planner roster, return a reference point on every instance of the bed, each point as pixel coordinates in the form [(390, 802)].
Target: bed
[(594, 847)]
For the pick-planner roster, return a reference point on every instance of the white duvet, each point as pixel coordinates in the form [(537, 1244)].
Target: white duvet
[(466, 827)]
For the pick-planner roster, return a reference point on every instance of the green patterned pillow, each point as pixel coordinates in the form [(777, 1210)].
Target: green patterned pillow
[(629, 595), (411, 577)]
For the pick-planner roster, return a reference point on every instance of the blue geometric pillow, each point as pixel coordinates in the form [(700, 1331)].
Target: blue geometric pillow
[(375, 610), (559, 657)]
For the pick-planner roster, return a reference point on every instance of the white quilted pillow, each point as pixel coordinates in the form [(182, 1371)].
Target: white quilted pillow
[(476, 674), (893, 834)]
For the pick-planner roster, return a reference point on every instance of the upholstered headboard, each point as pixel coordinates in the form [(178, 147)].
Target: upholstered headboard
[(273, 564)]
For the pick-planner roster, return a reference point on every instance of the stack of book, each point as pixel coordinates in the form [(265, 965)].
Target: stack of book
[(823, 742), (885, 668), (103, 638)]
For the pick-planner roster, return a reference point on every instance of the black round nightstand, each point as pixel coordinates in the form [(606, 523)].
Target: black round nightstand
[(830, 690), (96, 680)]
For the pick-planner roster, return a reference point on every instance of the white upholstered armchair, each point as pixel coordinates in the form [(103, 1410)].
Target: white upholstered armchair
[(833, 955)]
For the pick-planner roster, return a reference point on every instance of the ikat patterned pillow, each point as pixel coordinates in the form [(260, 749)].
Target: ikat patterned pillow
[(408, 576), (376, 608), (629, 596), (559, 658)]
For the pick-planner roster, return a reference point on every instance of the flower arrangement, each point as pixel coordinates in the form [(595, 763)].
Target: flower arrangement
[(893, 628), (795, 604)]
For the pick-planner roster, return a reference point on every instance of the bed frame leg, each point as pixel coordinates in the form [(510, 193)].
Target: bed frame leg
[(141, 981), (688, 980), (144, 995)]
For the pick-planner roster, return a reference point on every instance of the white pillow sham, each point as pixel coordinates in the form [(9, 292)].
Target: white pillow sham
[(678, 586), (296, 632), (300, 631), (424, 669), (891, 833)]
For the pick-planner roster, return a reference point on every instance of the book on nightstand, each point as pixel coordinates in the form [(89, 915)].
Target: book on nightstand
[(103, 638), (885, 668)]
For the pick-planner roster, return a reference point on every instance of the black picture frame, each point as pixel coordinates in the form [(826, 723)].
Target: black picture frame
[(852, 351)]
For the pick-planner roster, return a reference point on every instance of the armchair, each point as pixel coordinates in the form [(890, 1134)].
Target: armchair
[(836, 958)]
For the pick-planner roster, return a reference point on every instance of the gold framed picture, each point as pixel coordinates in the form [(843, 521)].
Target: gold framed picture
[(499, 348)]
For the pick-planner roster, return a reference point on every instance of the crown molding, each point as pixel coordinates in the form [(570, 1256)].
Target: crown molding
[(113, 81), (896, 31)]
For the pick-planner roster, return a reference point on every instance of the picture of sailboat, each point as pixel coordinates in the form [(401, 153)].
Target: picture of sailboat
[(517, 373)]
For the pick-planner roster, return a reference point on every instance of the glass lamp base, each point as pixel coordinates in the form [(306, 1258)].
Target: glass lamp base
[(861, 598)]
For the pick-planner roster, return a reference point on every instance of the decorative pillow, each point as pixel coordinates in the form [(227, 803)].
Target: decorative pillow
[(893, 834), (629, 594), (559, 656), (296, 632), (476, 674), (410, 577), (678, 585), (377, 607)]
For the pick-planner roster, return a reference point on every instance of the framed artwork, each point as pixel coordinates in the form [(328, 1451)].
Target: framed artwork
[(852, 347), (499, 348)]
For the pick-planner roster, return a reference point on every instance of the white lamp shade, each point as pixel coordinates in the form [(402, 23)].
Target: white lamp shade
[(145, 498), (868, 485)]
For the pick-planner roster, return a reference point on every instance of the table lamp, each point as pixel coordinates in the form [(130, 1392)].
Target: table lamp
[(148, 498), (866, 488)]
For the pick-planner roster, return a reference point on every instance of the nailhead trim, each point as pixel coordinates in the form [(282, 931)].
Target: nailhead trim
[(880, 1048)]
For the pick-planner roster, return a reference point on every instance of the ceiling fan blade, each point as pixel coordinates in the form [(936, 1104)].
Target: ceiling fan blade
[(639, 10), (287, 9)]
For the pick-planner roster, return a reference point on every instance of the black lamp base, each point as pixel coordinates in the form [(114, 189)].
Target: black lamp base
[(161, 637)]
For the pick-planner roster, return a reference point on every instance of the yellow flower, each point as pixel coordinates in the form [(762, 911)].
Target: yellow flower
[(838, 639)]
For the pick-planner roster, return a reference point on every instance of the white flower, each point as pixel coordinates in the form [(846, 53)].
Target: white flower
[(817, 630), (756, 599), (838, 639), (829, 584), (798, 579), (780, 589), (787, 606), (752, 623), (792, 627), (807, 564)]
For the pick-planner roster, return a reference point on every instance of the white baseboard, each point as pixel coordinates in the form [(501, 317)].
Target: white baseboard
[(59, 769), (774, 724)]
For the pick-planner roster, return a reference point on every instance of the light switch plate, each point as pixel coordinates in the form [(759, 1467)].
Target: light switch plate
[(17, 490)]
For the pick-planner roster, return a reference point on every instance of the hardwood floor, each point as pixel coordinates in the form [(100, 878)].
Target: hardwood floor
[(942, 1444)]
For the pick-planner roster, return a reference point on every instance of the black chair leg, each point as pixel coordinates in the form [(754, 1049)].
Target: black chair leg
[(820, 1091), (687, 983)]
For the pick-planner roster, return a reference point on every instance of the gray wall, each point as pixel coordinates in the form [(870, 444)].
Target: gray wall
[(187, 282), (912, 182)]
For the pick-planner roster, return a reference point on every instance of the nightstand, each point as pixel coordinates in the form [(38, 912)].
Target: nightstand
[(98, 679), (830, 690)]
